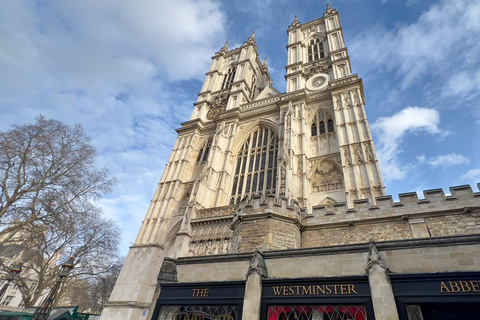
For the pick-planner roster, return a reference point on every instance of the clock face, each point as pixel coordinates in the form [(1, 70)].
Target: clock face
[(212, 113)]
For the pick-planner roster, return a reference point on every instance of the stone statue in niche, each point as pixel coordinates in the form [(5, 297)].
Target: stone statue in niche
[(327, 177), (346, 155), (369, 152), (358, 155), (283, 172)]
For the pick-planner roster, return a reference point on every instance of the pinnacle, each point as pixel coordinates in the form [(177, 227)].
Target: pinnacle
[(295, 22)]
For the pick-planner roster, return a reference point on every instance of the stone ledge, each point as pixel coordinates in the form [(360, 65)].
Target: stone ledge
[(355, 248)]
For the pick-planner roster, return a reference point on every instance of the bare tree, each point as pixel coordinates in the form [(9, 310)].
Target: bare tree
[(49, 183), (92, 239), (46, 168), (91, 294)]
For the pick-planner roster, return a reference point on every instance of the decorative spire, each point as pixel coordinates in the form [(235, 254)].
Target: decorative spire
[(224, 49), (375, 259), (257, 264), (265, 65), (295, 22), (329, 10), (251, 40)]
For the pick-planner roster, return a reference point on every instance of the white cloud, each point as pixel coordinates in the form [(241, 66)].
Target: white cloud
[(442, 41), (113, 66), (444, 160), (472, 176), (462, 84), (390, 132)]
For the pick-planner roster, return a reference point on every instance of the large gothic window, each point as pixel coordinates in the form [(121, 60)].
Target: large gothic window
[(256, 167), (323, 122), (204, 151), (315, 50)]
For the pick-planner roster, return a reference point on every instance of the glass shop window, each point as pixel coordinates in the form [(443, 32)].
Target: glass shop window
[(442, 311), (198, 313), (317, 312)]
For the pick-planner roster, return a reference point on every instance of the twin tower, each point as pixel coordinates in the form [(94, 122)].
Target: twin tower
[(252, 164)]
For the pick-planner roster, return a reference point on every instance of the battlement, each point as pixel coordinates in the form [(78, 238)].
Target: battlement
[(462, 198), (268, 204)]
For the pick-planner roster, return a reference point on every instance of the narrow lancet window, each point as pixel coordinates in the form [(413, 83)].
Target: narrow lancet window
[(322, 124), (204, 151)]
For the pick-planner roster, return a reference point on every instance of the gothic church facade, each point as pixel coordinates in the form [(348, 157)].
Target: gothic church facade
[(272, 205)]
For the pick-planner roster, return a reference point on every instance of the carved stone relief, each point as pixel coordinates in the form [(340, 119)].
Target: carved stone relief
[(327, 176), (210, 238)]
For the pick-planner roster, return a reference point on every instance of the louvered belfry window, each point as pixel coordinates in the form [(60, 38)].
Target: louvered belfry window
[(256, 166), (315, 50)]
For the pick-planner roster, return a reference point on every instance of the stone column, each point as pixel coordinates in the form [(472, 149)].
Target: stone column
[(168, 274), (380, 287), (253, 287)]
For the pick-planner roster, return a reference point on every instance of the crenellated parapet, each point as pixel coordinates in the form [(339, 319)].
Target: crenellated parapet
[(461, 199), (434, 216), (270, 204)]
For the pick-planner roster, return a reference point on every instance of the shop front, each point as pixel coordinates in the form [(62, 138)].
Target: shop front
[(440, 296), (317, 299), (200, 301)]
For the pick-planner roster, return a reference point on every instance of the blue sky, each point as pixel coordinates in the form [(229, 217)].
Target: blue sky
[(129, 71)]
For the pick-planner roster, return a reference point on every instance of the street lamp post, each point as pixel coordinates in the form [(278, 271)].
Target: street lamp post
[(14, 271), (43, 311)]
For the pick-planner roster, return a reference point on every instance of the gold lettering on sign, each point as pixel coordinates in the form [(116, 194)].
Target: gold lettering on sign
[(200, 293), (459, 286), (309, 290)]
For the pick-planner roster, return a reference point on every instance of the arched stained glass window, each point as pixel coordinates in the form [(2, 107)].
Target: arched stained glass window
[(330, 125), (314, 129), (322, 127), (256, 167)]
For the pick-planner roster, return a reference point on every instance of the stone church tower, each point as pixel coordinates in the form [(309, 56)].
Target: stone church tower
[(252, 163)]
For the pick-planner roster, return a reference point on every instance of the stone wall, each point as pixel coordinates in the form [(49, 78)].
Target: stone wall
[(434, 259), (468, 223), (356, 234), (265, 233), (213, 271), (266, 223), (452, 254)]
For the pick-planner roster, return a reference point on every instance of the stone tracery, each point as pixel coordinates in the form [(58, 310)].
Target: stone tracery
[(327, 176)]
